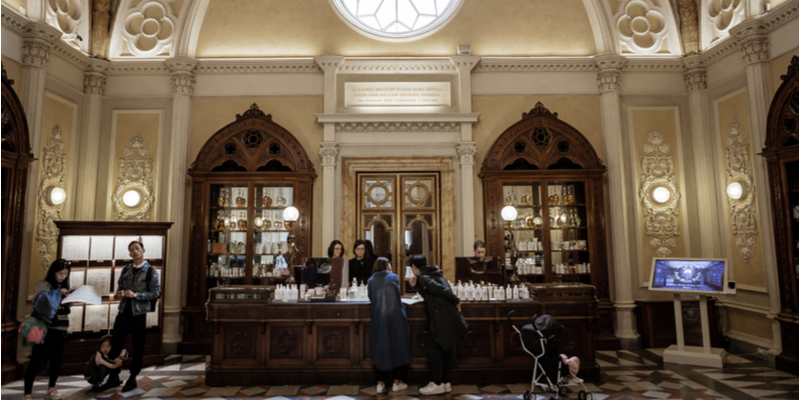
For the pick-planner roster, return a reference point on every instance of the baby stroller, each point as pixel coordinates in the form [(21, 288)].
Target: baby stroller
[(542, 340)]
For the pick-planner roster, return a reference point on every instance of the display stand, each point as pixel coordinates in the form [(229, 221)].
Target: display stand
[(694, 355)]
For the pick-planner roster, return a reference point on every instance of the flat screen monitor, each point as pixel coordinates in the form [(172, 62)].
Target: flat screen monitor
[(689, 275)]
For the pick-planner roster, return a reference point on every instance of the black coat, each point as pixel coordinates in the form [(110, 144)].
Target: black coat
[(360, 269), (446, 323)]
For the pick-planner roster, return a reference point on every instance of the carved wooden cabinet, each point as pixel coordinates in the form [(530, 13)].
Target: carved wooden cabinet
[(781, 152), (16, 156), (552, 176), (258, 341), (243, 179)]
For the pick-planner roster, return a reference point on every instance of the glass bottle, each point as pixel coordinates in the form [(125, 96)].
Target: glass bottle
[(266, 201), (552, 218), (227, 197), (277, 224), (267, 224), (242, 222), (280, 200), (576, 219), (562, 220), (240, 200), (537, 222), (555, 199), (529, 221), (221, 197), (519, 222)]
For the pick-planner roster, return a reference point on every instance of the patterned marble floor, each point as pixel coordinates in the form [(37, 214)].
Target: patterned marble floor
[(626, 374)]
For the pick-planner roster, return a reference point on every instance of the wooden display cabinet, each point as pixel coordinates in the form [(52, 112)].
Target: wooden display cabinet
[(781, 152), (244, 177), (98, 251), (552, 176)]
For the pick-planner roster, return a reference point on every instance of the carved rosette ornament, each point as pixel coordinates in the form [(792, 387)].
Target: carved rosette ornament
[(135, 171), (661, 220), (54, 163), (755, 49), (466, 153), (328, 155), (743, 216)]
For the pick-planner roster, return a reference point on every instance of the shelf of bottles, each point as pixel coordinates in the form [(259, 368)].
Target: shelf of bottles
[(236, 215), (550, 231)]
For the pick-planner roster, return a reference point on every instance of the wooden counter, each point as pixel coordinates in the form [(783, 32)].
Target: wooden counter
[(260, 341)]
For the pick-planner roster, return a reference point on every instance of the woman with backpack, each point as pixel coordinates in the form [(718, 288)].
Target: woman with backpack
[(47, 297)]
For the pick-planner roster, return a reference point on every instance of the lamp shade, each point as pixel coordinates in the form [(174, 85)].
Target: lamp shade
[(661, 194), (735, 190), (291, 214), (509, 213), (57, 195), (131, 198)]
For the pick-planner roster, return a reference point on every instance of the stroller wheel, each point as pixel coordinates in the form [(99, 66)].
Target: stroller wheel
[(562, 391), (584, 395), (527, 395)]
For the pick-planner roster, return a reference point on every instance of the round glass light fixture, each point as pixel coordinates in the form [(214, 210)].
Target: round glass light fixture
[(661, 194), (396, 19), (509, 213), (735, 190), (259, 221), (56, 195), (290, 214), (132, 198)]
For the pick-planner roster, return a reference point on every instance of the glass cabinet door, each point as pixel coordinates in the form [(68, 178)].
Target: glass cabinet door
[(527, 229), (270, 236), (227, 234), (566, 220)]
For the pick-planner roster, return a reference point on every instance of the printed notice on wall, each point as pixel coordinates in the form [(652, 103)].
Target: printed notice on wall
[(360, 94)]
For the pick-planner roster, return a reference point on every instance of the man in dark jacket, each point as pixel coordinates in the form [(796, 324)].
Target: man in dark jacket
[(447, 324)]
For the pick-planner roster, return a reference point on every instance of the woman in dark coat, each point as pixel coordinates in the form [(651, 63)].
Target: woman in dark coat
[(389, 339), (361, 265)]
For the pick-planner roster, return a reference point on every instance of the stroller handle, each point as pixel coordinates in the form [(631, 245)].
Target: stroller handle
[(509, 316)]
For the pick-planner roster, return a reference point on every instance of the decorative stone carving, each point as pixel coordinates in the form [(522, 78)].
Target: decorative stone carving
[(466, 153), (182, 74), (94, 83), (695, 79), (755, 49), (398, 127), (722, 15), (328, 154), (149, 28), (54, 162), (642, 26), (334, 342), (608, 80), (743, 214), (661, 220), (689, 30), (135, 171), (67, 16), (36, 52), (101, 13)]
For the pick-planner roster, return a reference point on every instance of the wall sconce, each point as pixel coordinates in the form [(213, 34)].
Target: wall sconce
[(661, 194), (290, 215), (132, 198), (56, 195), (735, 190), (509, 214)]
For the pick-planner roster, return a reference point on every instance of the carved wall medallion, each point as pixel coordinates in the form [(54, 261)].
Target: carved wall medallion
[(135, 171), (743, 216), (334, 342), (241, 342), (68, 16), (287, 342), (642, 27), (661, 220), (150, 28), (722, 15), (54, 163), (473, 341)]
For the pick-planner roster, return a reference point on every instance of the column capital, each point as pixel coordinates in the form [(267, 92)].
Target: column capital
[(755, 49), (94, 77), (328, 153), (466, 152), (465, 63), (38, 39), (695, 73), (610, 61), (182, 74), (329, 63), (609, 76)]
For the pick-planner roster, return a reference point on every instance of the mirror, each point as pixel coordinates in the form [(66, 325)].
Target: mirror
[(381, 238), (418, 240)]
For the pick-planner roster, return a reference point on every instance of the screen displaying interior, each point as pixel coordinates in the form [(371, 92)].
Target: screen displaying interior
[(697, 275)]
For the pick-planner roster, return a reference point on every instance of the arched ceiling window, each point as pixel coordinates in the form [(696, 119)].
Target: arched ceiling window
[(396, 19)]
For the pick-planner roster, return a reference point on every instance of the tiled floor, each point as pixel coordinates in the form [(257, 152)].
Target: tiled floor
[(626, 374)]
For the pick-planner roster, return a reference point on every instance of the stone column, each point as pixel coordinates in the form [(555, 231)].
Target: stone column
[(754, 45), (36, 46), (619, 196), (466, 155), (702, 146), (329, 151), (94, 85), (182, 82), (328, 155)]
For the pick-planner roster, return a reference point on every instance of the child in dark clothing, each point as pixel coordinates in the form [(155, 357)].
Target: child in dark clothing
[(99, 366)]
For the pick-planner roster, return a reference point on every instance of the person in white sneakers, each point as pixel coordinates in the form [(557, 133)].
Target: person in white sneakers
[(389, 339), (447, 324)]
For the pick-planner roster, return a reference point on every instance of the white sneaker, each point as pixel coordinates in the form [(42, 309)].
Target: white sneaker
[(432, 388), (399, 387), (53, 394), (380, 388), (447, 387)]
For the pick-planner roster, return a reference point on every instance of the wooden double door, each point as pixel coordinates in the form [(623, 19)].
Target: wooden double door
[(400, 214)]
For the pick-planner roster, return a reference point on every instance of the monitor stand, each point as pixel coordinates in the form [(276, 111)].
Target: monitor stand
[(694, 355)]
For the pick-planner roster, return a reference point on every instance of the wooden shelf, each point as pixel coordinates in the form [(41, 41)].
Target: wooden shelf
[(229, 208)]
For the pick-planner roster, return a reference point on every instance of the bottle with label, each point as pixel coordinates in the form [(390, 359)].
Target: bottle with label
[(266, 201)]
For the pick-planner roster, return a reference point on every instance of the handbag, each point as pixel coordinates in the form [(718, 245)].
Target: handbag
[(33, 331)]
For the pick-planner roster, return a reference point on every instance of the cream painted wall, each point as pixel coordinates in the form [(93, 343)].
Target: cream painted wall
[(14, 72), (735, 108), (130, 123), (59, 112), (279, 28), (642, 122), (749, 323), (15, 4), (777, 67), (296, 114), (498, 113)]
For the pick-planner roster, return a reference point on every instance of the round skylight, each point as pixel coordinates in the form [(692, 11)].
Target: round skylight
[(396, 19)]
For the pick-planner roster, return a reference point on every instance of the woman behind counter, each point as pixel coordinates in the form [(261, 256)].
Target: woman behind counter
[(389, 340), (361, 265)]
